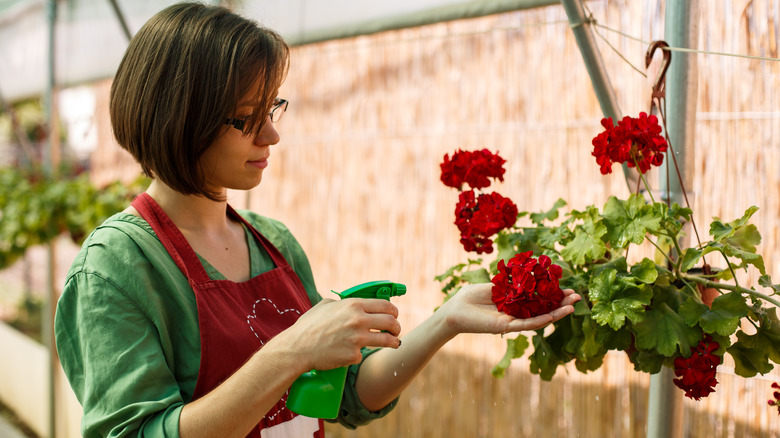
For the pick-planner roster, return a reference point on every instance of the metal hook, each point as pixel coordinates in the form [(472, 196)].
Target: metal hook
[(659, 88)]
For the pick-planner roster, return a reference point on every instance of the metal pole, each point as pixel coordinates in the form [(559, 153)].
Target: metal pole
[(50, 164), (586, 41), (665, 413), (121, 19)]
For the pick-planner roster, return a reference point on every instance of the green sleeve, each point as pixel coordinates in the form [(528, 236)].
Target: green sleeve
[(352, 413), (107, 347)]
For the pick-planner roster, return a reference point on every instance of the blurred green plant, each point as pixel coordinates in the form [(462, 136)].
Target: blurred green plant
[(37, 208)]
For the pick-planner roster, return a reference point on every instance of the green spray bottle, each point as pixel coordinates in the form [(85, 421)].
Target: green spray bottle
[(318, 393)]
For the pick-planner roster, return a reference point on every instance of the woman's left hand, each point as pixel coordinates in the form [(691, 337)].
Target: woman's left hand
[(472, 310)]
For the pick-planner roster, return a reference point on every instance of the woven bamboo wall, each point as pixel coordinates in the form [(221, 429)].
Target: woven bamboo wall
[(356, 180)]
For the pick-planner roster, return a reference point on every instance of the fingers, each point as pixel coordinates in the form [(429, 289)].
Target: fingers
[(541, 321), (375, 305), (569, 297), (376, 319), (535, 323), (382, 339)]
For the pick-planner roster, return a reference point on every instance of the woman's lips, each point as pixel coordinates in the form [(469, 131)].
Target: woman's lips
[(260, 164)]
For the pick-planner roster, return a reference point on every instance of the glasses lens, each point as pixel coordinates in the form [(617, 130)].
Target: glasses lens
[(278, 110)]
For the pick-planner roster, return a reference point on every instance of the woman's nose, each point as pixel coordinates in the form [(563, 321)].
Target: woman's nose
[(268, 134)]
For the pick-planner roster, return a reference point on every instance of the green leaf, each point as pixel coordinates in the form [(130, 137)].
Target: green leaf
[(769, 330), (613, 340), (645, 271), (629, 221), (726, 274), (647, 361), (751, 354), (576, 282), (723, 318), (550, 237), (616, 298), (545, 359), (550, 215), (720, 231), (584, 248), (618, 264), (587, 244), (766, 281), (745, 238), (514, 349), (690, 258), (449, 272), (748, 258), (663, 330), (590, 351), (508, 244), (476, 276)]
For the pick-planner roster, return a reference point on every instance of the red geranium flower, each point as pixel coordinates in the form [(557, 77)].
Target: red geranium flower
[(474, 168), (697, 372), (479, 218), (776, 395), (634, 141), (526, 287)]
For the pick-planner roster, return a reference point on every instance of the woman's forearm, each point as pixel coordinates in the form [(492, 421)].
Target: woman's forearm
[(386, 373), (239, 403)]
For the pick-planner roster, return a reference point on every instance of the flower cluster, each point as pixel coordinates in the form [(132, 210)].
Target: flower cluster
[(697, 372), (636, 141), (526, 287), (478, 216), (474, 168), (776, 395)]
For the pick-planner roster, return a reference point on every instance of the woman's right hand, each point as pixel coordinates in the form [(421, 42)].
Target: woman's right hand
[(331, 334)]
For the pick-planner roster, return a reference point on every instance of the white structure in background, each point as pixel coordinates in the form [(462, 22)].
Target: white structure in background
[(77, 115)]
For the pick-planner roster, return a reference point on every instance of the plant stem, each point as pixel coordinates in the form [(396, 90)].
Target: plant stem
[(661, 251), (733, 274), (735, 288), (679, 250), (642, 177)]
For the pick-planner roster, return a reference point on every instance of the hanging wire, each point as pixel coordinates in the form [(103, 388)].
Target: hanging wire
[(595, 23), (590, 20)]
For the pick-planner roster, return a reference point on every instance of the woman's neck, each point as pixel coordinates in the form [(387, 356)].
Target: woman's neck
[(190, 212)]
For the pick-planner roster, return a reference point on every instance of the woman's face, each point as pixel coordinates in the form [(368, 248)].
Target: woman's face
[(236, 160)]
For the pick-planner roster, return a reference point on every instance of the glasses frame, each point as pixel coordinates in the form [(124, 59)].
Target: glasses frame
[(277, 111)]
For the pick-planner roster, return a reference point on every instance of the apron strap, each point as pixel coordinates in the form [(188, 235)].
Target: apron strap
[(180, 250), (172, 239), (276, 255)]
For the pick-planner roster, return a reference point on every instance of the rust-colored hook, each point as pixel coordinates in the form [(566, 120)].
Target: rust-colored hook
[(659, 88)]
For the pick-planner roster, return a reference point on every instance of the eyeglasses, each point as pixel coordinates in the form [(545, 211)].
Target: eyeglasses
[(276, 113)]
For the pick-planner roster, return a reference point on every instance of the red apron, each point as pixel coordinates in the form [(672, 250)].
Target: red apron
[(237, 319)]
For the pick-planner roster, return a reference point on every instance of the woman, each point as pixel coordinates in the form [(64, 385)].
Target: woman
[(181, 317)]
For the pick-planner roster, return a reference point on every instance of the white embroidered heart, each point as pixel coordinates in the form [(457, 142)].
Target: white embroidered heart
[(249, 318), (254, 315)]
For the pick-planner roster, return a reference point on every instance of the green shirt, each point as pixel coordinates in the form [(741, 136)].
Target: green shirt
[(127, 331)]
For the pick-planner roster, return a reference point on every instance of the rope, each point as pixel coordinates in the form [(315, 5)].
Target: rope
[(590, 20), (685, 49)]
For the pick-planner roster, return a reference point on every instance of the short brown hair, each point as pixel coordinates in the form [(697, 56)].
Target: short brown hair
[(181, 77)]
